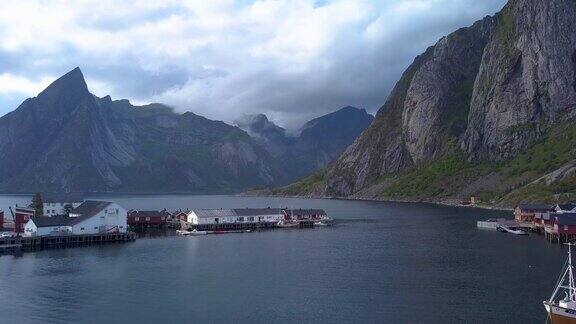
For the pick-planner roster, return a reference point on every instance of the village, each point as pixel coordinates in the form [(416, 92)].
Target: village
[(556, 222), (59, 221)]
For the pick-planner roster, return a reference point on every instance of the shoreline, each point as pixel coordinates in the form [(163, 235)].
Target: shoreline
[(432, 202)]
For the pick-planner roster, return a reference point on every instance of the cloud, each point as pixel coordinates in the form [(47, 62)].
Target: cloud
[(290, 59)]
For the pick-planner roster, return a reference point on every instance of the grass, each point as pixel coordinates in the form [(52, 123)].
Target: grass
[(549, 153), (428, 181), (445, 176), (304, 187)]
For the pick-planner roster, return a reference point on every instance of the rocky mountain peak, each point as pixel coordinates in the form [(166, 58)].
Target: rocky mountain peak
[(72, 82), (65, 94)]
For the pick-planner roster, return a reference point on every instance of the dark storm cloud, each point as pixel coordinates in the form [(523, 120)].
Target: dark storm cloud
[(292, 60)]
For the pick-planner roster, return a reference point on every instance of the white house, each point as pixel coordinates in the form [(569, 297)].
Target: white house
[(91, 217), (565, 208), (43, 225), (54, 205), (230, 216)]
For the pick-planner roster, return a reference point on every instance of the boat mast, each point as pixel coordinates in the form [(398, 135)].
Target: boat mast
[(562, 280), (570, 273)]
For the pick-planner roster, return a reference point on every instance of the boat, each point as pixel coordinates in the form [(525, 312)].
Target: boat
[(195, 232), (287, 224), (563, 310), (320, 223), (183, 232), (516, 231), (511, 230)]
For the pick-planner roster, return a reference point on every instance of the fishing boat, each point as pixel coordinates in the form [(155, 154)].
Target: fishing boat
[(563, 310), (287, 224), (511, 230), (195, 232)]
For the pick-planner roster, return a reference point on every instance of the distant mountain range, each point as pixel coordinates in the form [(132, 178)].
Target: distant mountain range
[(319, 142), (489, 111), (68, 140)]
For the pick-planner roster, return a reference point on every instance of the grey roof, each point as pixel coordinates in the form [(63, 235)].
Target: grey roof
[(568, 206), (45, 221), (88, 209), (61, 198), (211, 213), (542, 207), (566, 219), (257, 211)]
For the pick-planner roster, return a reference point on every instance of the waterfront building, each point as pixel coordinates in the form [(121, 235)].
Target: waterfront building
[(235, 216), (146, 218), (48, 225), (91, 217), (527, 212), (180, 215), (21, 217), (565, 208), (565, 223), (544, 219), (54, 204)]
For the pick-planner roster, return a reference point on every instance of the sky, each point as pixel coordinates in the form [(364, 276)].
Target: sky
[(292, 60)]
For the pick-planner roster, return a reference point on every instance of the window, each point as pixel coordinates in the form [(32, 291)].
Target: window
[(251, 218), (147, 219), (121, 226), (81, 228), (95, 227), (240, 219), (136, 219)]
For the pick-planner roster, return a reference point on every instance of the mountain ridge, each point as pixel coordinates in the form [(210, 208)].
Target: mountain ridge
[(478, 113), (68, 140), (319, 141)]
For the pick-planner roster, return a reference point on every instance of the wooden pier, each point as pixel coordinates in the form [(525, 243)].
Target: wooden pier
[(17, 244), (553, 236), (240, 226)]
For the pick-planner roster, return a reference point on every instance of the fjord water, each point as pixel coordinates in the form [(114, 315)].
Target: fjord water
[(381, 263)]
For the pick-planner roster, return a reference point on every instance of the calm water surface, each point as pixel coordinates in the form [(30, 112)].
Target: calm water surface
[(381, 263)]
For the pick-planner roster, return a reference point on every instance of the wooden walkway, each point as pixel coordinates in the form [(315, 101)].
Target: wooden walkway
[(16, 244)]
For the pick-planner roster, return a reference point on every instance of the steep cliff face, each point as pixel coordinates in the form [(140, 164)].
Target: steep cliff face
[(483, 94), (527, 78), (425, 113), (66, 139)]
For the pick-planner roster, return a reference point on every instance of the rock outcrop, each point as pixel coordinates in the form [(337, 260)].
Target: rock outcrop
[(527, 79), (485, 92)]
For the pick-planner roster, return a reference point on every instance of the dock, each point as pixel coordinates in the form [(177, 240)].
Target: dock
[(31, 243), (240, 226)]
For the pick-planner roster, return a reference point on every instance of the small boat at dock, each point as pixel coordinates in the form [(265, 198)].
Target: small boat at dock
[(320, 223), (287, 224), (563, 310), (511, 230), (193, 232)]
